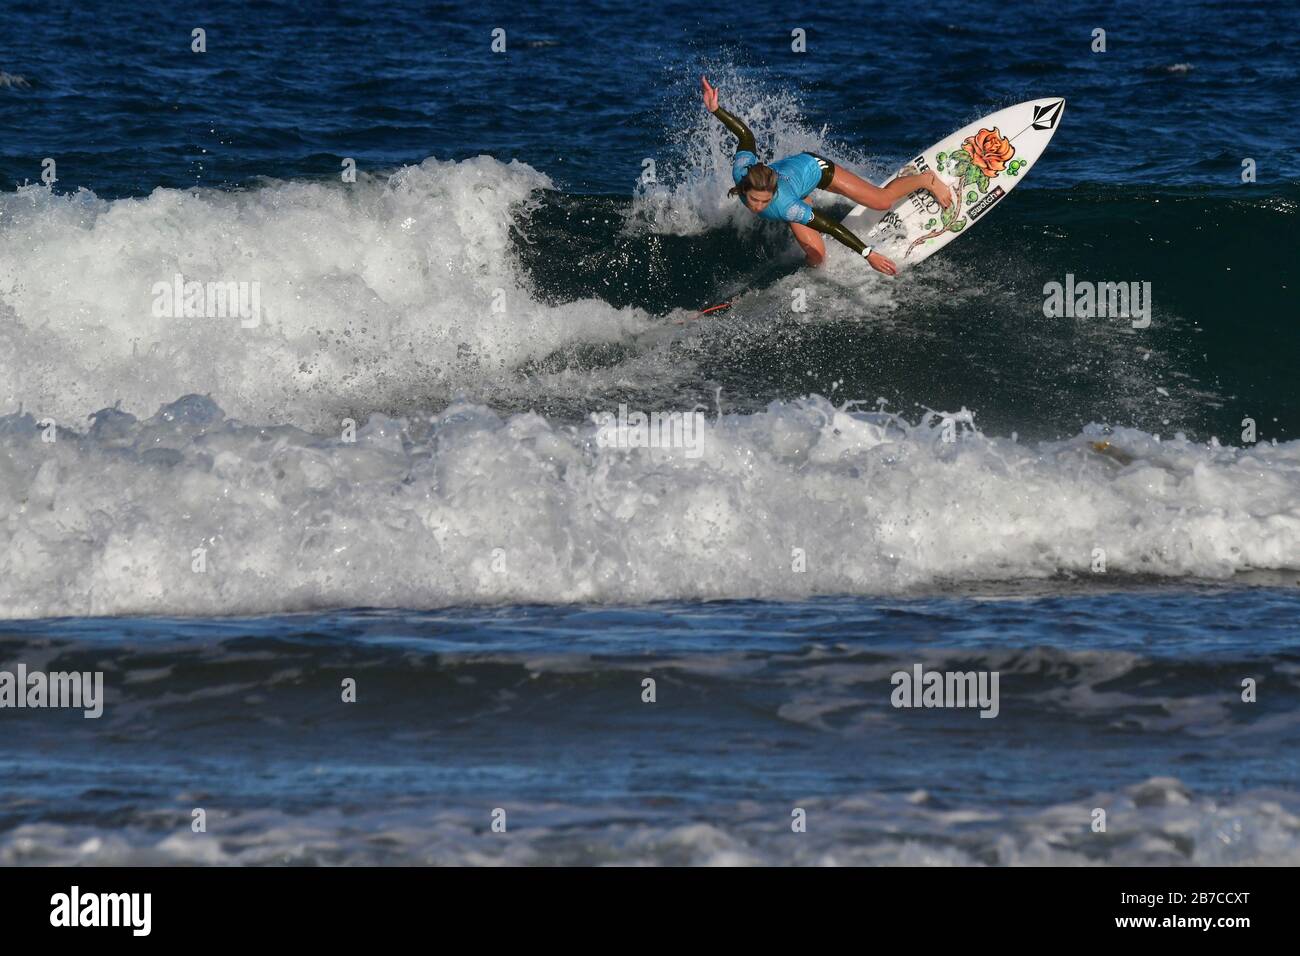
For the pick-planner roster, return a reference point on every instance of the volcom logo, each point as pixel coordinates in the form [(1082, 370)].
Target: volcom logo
[(1045, 117)]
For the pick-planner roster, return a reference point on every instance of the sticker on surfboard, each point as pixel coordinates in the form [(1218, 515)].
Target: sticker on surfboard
[(981, 163)]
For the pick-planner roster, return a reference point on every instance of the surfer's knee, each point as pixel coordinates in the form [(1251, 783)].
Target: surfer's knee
[(814, 251)]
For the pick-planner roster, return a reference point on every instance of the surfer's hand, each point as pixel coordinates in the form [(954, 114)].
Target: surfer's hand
[(938, 189), (881, 264), (710, 95)]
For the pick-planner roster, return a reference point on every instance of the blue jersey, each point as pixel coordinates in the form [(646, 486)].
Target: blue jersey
[(796, 177)]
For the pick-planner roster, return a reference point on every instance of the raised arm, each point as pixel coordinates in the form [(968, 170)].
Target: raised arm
[(742, 131), (747, 142)]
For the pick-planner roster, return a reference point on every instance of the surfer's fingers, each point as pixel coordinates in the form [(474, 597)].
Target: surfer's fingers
[(938, 189)]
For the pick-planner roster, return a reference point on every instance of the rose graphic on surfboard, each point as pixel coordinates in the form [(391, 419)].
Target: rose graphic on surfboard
[(981, 158), (981, 162)]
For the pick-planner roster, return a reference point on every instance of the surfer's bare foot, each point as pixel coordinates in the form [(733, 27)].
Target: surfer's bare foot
[(938, 189)]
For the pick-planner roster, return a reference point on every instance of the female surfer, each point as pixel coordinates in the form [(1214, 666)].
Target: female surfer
[(777, 191)]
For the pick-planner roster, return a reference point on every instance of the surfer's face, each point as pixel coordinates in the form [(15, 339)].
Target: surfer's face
[(757, 199)]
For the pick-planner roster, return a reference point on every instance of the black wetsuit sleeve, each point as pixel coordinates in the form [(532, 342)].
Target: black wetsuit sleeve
[(836, 230), (742, 132)]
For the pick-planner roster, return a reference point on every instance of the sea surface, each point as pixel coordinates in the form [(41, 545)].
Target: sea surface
[(395, 483)]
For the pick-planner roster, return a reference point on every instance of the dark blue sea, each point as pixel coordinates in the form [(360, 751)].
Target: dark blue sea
[(366, 579)]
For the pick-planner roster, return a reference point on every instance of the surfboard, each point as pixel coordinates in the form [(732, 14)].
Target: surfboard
[(982, 163)]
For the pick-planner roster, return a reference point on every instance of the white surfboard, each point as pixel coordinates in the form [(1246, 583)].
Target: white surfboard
[(982, 162)]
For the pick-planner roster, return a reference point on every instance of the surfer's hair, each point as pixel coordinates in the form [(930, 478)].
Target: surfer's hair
[(759, 177)]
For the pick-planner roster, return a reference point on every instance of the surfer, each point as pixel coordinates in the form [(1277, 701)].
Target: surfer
[(777, 191)]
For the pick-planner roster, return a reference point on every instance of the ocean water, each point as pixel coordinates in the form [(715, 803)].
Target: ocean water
[(396, 475)]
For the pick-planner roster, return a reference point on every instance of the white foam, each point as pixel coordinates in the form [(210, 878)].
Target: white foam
[(1258, 828), (371, 294), (472, 507)]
